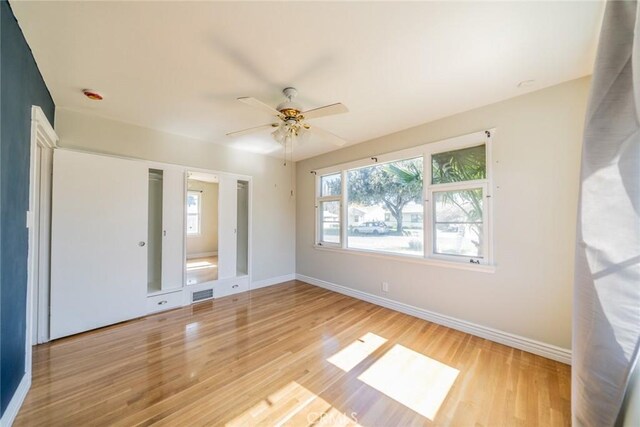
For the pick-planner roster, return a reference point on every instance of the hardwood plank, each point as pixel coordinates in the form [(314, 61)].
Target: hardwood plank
[(262, 359)]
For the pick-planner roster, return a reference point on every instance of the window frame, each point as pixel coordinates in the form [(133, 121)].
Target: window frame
[(409, 154), (332, 198), (426, 151), (452, 144), (464, 185), (199, 214)]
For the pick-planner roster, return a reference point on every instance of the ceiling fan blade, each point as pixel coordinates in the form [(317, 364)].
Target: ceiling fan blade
[(252, 130), (259, 104), (327, 136), (327, 110)]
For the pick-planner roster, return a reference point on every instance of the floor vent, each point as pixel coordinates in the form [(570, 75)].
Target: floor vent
[(202, 295)]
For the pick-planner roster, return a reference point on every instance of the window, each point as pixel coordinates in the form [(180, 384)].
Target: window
[(387, 194), (430, 201), (328, 204), (457, 191), (193, 212), (458, 222), (331, 185)]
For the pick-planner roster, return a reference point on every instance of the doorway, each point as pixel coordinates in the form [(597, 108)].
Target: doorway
[(202, 228)]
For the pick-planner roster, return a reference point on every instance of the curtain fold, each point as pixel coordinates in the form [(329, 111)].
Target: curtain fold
[(606, 312)]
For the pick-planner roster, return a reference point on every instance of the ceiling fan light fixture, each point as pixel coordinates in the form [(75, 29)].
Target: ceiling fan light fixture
[(292, 119), (303, 135), (279, 134)]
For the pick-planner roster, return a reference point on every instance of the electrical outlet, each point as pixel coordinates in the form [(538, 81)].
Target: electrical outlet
[(385, 287)]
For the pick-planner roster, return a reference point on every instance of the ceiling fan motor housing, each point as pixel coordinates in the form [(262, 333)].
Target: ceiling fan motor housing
[(289, 109)]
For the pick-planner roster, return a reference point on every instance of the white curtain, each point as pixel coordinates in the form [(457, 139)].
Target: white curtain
[(606, 318)]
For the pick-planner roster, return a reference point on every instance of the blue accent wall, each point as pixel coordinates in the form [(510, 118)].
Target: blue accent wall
[(21, 86)]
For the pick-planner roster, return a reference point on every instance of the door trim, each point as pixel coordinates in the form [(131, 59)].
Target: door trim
[(43, 136)]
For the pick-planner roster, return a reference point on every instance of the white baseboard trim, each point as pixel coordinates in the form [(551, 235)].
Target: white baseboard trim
[(202, 255), (532, 346), (11, 412), (272, 281)]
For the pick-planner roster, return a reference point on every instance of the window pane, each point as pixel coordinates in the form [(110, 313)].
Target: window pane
[(330, 222), (385, 210), (466, 164), (192, 224), (458, 222), (193, 203), (331, 185)]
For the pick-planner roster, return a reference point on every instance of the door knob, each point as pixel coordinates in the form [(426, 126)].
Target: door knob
[(141, 244)]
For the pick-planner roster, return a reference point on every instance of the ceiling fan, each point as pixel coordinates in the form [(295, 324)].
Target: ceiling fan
[(291, 120)]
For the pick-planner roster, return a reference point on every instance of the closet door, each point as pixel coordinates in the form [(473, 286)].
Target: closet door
[(99, 232), (227, 226), (173, 229)]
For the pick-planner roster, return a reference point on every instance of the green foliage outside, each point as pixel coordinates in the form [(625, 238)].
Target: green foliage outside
[(393, 185), (467, 164)]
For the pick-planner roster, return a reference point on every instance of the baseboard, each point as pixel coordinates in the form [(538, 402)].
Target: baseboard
[(272, 281), (11, 412), (532, 346), (202, 255)]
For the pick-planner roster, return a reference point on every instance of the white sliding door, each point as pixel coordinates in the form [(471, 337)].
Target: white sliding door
[(173, 229), (99, 233), (227, 223)]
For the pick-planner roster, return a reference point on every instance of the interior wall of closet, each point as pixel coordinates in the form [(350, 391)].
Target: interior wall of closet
[(119, 238), (242, 226), (154, 235)]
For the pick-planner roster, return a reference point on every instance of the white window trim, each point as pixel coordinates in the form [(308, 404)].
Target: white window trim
[(199, 194), (414, 259), (425, 150), (318, 221), (429, 208)]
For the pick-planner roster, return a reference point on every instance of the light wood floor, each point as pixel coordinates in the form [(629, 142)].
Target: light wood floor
[(291, 352), (202, 270)]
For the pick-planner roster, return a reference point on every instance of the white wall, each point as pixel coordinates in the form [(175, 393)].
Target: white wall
[(207, 240), (273, 221), (536, 157)]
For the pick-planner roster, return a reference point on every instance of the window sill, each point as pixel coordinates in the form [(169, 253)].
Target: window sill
[(482, 268)]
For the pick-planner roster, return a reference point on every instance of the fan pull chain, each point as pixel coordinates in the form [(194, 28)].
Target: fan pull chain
[(293, 175), (287, 141)]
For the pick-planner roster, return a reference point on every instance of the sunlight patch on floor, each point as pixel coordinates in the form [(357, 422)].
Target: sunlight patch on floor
[(347, 358), (293, 405), (197, 265), (413, 379)]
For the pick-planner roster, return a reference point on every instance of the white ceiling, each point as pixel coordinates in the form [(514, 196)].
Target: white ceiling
[(179, 66)]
